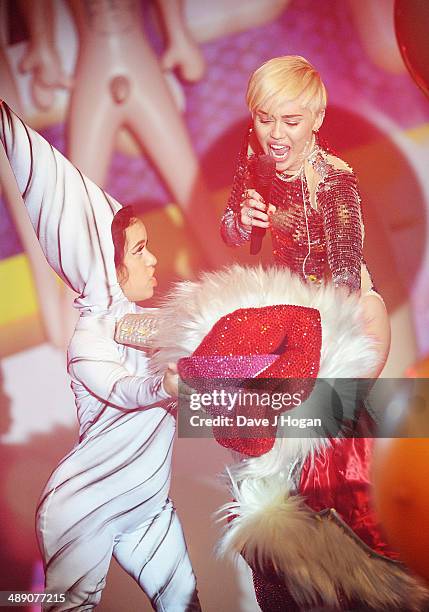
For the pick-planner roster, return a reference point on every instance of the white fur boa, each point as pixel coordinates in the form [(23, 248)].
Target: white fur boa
[(317, 556), (192, 309)]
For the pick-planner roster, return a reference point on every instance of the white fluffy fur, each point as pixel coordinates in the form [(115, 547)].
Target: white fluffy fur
[(193, 308), (316, 557)]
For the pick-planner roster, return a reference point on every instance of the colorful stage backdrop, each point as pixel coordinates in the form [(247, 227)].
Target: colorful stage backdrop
[(150, 104)]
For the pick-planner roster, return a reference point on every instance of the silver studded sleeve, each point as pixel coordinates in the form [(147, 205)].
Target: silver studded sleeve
[(340, 203)]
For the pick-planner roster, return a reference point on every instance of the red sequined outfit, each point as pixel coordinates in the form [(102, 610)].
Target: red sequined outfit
[(315, 242), (318, 236)]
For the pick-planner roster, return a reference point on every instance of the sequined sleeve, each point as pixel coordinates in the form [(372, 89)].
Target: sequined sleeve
[(138, 330), (231, 229), (339, 201)]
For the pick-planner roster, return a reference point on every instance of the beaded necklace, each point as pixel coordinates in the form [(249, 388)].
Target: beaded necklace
[(287, 179)]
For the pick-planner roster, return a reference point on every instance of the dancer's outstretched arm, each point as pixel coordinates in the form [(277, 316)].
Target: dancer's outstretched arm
[(70, 215)]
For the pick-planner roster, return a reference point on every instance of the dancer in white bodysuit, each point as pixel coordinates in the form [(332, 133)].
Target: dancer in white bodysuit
[(109, 495)]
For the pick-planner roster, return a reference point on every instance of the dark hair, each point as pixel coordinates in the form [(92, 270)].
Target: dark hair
[(124, 218)]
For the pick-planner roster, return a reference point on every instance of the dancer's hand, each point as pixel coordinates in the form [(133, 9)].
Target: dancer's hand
[(171, 380), (254, 210), (185, 394)]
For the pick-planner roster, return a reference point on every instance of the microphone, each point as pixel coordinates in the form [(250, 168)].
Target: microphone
[(265, 173)]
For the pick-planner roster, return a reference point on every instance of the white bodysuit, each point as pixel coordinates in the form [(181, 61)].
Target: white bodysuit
[(109, 495)]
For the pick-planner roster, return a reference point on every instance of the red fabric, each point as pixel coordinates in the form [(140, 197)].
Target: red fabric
[(339, 478)]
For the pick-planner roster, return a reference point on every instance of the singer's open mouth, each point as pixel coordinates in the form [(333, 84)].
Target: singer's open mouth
[(279, 152)]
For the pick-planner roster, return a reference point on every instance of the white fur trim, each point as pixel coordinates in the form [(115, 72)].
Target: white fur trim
[(192, 309), (316, 556)]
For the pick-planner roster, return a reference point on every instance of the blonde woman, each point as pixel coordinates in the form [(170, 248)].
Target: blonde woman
[(314, 213)]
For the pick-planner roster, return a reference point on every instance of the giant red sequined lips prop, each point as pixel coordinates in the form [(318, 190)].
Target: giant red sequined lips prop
[(271, 342)]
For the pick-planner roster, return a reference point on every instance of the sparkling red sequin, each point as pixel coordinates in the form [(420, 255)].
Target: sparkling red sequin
[(291, 332), (289, 231)]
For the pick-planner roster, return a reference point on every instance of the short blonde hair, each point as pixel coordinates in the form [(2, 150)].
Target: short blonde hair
[(288, 77)]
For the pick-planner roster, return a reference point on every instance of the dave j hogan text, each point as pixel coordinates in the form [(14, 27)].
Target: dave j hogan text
[(280, 420)]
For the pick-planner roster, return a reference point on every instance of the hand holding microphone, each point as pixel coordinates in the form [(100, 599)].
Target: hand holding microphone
[(255, 207)]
